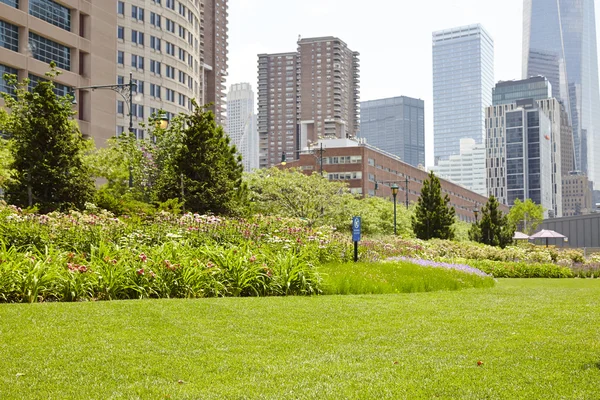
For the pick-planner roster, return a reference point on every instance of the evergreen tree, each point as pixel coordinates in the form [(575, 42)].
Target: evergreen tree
[(47, 148), (202, 168), (494, 229), (433, 218)]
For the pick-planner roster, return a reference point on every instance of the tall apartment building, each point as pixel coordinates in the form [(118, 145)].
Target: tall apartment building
[(306, 95), (80, 37), (395, 125), (577, 195), (176, 51), (519, 156), (241, 123), (465, 168), (564, 31), (463, 78)]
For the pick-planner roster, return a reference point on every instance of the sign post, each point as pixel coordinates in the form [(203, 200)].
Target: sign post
[(356, 235)]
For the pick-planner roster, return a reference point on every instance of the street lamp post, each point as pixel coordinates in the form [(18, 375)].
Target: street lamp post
[(394, 193), (476, 212), (406, 191), (126, 91)]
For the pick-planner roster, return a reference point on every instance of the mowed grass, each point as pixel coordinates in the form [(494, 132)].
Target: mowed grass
[(537, 339), (395, 277)]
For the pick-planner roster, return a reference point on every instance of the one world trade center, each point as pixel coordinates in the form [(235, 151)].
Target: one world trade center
[(559, 42)]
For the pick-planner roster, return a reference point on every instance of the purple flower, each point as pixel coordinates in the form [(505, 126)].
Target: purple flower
[(435, 264)]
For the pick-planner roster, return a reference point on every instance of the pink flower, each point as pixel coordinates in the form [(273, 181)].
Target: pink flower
[(143, 257), (252, 259), (82, 268), (152, 274), (209, 265), (140, 271)]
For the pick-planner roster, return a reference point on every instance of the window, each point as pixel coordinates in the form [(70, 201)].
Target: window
[(46, 50), (170, 25), (4, 88), (171, 49), (181, 99), (155, 20), (9, 36), (170, 72), (137, 61), (155, 67), (170, 4), (120, 80), (137, 13), (155, 43), (120, 107), (170, 95), (120, 57), (120, 33), (182, 32), (182, 77), (137, 37), (120, 8), (155, 90), (182, 54), (181, 9), (137, 110), (51, 12), (139, 86), (13, 3)]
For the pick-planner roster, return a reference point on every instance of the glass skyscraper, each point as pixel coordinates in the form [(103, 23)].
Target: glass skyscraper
[(559, 41), (463, 78), (395, 125)]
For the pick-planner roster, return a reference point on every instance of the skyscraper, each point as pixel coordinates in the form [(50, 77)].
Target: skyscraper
[(395, 125), (463, 77), (80, 37), (306, 95), (241, 123), (565, 32), (176, 51)]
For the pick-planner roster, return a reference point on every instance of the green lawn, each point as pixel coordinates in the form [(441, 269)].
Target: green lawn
[(538, 339)]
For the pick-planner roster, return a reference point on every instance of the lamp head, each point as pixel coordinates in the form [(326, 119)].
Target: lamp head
[(394, 189), (283, 162)]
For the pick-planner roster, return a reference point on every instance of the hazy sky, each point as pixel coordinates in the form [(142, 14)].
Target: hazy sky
[(392, 36)]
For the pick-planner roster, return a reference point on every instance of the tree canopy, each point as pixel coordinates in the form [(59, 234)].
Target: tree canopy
[(46, 148), (526, 215), (494, 228)]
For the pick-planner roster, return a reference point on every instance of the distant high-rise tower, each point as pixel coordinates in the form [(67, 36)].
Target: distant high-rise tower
[(306, 95), (463, 78), (395, 125), (241, 123), (564, 32)]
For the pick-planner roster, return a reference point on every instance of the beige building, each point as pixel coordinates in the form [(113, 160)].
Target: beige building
[(80, 36), (176, 52), (305, 96), (577, 195)]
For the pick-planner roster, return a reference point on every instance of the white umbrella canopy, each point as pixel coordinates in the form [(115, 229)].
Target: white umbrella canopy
[(520, 236), (547, 234)]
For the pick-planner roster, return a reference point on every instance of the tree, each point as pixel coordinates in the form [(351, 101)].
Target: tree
[(433, 217), (527, 215), (291, 193), (5, 153), (494, 229), (46, 146), (199, 165)]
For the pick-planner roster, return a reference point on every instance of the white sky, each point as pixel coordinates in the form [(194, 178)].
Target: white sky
[(392, 36)]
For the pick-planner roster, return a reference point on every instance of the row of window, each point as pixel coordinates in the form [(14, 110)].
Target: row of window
[(47, 10), (59, 89)]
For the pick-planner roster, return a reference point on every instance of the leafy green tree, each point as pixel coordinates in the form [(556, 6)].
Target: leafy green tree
[(526, 216), (433, 217), (47, 148), (199, 165), (5, 154), (494, 228), (291, 193)]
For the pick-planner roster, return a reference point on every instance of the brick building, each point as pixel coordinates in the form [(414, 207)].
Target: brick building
[(362, 165)]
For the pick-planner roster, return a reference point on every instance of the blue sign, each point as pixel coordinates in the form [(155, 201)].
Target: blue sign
[(355, 229)]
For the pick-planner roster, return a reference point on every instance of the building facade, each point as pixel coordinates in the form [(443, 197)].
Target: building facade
[(519, 162), (465, 169), (241, 123), (565, 32), (80, 37), (577, 195), (395, 125), (306, 95), (463, 78), (370, 171), (176, 52)]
